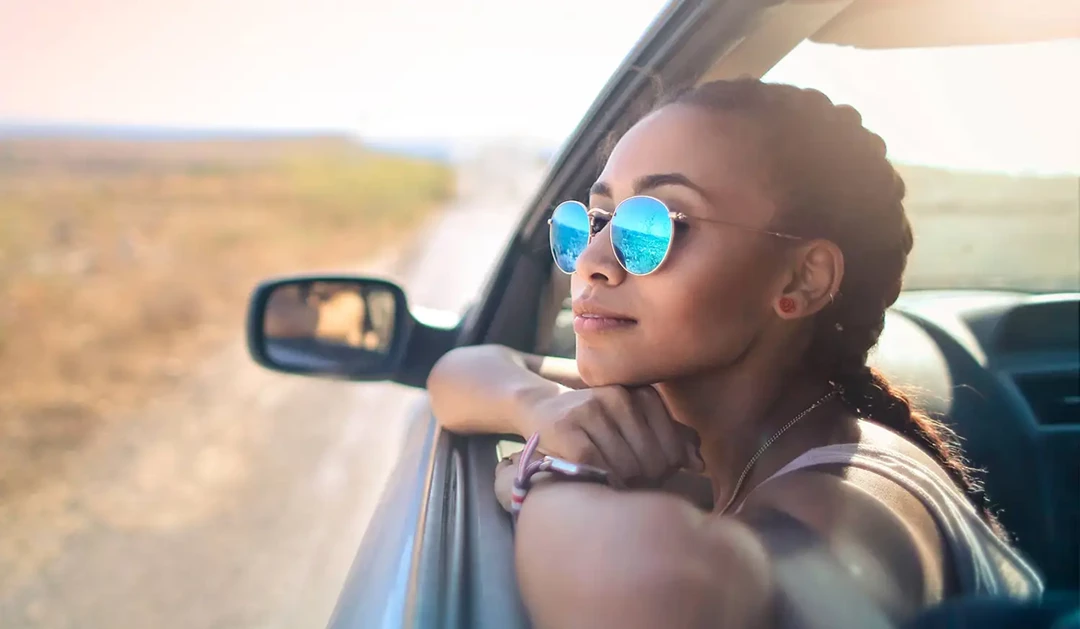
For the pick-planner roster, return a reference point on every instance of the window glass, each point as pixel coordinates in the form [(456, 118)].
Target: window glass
[(987, 139)]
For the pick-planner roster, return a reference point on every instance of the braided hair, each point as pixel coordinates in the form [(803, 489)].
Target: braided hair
[(834, 182)]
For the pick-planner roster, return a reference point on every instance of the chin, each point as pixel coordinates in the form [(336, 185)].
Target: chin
[(600, 369)]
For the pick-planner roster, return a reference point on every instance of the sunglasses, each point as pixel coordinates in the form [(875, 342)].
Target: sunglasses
[(642, 232)]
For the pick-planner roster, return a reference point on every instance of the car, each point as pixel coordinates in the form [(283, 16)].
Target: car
[(995, 359)]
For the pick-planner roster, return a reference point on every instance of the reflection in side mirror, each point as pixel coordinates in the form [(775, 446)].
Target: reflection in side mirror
[(354, 328)]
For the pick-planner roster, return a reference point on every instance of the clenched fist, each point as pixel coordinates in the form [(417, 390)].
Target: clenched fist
[(627, 431)]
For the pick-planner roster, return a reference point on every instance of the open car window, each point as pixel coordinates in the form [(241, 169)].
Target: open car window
[(985, 138)]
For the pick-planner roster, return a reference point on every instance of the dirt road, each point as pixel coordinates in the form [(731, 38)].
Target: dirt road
[(238, 501)]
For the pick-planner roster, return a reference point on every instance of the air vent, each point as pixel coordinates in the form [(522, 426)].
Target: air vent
[(1053, 397)]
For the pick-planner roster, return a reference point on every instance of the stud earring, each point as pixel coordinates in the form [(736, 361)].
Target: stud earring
[(787, 305)]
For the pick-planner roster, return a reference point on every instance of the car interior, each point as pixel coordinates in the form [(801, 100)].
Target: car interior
[(1002, 368)]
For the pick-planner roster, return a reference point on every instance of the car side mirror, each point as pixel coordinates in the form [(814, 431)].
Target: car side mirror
[(342, 327)]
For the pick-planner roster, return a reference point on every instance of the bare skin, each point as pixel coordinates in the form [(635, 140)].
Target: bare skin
[(705, 347), (493, 389)]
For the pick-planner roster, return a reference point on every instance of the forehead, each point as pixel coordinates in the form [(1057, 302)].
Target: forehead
[(717, 151)]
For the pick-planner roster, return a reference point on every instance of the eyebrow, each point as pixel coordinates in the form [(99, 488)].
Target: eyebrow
[(648, 182)]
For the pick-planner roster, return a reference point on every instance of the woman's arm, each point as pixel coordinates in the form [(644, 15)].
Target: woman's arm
[(489, 388), (627, 431), (589, 557), (811, 550)]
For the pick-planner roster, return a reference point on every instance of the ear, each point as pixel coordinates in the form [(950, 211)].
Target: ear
[(816, 273)]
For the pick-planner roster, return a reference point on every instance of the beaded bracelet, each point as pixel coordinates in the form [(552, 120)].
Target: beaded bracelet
[(527, 468)]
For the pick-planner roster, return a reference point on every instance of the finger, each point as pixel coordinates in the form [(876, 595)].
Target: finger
[(672, 443), (611, 445), (693, 446), (508, 460), (596, 456), (504, 484), (573, 444), (689, 442), (630, 421)]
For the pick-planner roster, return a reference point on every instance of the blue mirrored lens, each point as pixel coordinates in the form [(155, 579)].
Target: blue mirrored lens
[(569, 234), (641, 232)]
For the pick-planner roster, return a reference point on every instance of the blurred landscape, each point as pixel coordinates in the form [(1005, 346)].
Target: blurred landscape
[(151, 475), (992, 230), (124, 259)]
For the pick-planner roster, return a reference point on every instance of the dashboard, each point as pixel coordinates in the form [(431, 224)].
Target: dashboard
[(1003, 371)]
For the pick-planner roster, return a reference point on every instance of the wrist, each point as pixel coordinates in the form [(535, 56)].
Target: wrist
[(529, 467)]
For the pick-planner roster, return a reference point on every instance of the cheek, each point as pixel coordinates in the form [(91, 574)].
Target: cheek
[(711, 306), (701, 311)]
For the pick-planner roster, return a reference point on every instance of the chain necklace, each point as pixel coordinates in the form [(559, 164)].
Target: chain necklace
[(769, 442)]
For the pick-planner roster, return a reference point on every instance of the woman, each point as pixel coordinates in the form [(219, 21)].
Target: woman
[(734, 345)]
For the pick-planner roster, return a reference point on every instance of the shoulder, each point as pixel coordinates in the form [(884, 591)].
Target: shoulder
[(874, 527)]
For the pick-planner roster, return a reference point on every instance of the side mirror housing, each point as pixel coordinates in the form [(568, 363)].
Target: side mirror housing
[(345, 328)]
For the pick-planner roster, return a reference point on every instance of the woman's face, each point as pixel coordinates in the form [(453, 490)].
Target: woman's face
[(713, 297)]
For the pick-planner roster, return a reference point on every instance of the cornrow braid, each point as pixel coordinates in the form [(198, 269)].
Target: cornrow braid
[(835, 182)]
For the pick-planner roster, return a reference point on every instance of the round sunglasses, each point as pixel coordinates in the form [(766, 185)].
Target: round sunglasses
[(642, 232)]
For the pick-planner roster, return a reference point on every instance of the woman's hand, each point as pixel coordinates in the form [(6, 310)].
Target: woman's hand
[(505, 472), (627, 431)]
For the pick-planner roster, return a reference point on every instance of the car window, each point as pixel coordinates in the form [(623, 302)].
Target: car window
[(986, 139)]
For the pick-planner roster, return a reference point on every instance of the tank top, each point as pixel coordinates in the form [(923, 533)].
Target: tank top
[(983, 563)]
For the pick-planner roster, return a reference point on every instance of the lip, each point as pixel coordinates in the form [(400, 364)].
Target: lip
[(587, 308), (590, 317)]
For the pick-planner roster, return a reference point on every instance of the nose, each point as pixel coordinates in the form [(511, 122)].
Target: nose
[(597, 263)]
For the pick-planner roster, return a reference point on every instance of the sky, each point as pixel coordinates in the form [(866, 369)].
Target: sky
[(481, 69), (1013, 108), (400, 69)]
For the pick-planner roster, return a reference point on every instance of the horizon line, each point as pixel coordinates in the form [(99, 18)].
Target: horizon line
[(31, 128)]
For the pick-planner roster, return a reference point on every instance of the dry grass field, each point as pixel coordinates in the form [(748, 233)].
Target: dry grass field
[(123, 262)]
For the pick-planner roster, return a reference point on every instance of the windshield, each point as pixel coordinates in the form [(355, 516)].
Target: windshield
[(987, 139)]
